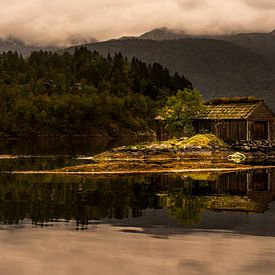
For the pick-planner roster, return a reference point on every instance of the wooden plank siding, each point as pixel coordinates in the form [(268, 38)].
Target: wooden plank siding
[(228, 130), (272, 132)]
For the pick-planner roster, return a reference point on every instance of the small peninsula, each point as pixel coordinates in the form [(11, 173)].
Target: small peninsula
[(202, 152)]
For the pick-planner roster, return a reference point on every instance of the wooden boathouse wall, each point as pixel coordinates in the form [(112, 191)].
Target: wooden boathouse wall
[(262, 115), (228, 130), (238, 121)]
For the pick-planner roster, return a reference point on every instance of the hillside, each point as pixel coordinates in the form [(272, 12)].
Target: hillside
[(162, 34), (217, 68), (263, 43)]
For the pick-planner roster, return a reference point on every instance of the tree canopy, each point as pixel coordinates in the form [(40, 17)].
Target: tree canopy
[(81, 93), (179, 111)]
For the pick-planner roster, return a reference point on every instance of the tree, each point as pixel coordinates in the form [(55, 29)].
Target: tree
[(179, 111), (40, 95)]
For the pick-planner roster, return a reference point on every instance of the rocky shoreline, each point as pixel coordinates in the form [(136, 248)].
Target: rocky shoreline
[(253, 146)]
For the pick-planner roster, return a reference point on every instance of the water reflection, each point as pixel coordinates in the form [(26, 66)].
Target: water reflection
[(232, 201), (38, 163), (48, 154), (62, 146)]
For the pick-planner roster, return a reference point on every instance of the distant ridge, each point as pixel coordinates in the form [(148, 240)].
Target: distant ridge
[(263, 43), (19, 46), (13, 45), (163, 34)]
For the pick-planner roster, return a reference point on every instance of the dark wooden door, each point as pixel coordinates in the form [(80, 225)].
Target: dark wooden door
[(260, 130), (259, 182)]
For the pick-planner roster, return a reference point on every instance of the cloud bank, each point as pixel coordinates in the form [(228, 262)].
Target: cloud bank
[(59, 22)]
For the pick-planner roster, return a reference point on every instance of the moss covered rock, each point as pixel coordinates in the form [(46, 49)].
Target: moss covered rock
[(197, 142)]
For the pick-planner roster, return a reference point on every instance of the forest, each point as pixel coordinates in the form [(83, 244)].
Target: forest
[(81, 94)]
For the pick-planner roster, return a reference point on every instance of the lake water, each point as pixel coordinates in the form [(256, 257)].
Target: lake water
[(134, 224)]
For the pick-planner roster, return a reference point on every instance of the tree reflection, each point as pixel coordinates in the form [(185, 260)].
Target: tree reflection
[(47, 199)]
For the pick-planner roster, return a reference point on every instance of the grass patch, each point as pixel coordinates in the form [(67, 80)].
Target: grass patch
[(204, 140), (199, 141)]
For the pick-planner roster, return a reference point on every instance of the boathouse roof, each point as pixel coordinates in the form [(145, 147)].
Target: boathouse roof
[(233, 108)]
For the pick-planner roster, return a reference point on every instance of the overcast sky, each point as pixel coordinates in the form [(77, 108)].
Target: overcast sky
[(47, 22)]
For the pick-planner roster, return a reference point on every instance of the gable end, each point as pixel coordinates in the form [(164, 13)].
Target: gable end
[(261, 112)]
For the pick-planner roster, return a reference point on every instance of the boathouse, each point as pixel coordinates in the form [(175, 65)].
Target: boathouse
[(237, 119)]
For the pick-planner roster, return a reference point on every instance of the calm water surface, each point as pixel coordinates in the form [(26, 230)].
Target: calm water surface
[(134, 224)]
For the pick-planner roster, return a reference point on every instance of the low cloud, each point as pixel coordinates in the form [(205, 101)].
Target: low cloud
[(62, 22), (261, 4)]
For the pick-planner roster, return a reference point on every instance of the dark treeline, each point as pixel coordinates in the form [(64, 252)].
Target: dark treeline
[(50, 94)]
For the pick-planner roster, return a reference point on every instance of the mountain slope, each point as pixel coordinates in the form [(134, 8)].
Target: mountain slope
[(263, 43), (216, 68), (162, 34)]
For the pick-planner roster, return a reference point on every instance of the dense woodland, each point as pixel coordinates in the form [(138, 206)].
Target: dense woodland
[(83, 93)]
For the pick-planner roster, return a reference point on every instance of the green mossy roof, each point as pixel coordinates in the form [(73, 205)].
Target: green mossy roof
[(227, 111)]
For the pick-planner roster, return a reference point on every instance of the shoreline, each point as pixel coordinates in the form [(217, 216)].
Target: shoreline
[(166, 171), (76, 137), (200, 153)]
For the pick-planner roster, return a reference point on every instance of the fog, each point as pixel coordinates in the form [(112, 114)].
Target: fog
[(63, 22)]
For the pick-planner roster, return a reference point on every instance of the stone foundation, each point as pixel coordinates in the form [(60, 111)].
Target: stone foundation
[(253, 145)]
